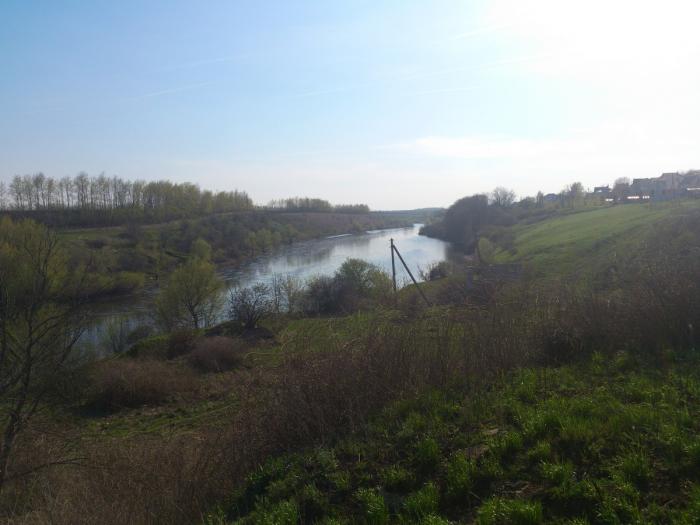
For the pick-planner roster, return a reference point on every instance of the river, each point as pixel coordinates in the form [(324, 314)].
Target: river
[(301, 260)]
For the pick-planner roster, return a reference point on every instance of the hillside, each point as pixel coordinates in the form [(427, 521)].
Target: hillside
[(539, 400), (589, 240)]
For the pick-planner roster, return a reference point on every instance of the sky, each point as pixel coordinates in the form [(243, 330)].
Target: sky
[(395, 103)]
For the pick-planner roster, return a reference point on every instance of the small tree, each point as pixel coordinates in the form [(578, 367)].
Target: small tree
[(41, 321), (250, 305), (292, 291), (573, 194), (192, 296)]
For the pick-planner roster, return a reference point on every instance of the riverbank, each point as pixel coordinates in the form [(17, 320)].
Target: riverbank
[(301, 260), (121, 260)]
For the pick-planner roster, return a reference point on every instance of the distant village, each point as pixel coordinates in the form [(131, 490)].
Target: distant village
[(666, 187)]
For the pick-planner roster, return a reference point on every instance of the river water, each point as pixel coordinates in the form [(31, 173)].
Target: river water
[(302, 260)]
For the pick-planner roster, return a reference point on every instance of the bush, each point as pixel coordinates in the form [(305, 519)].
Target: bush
[(128, 383), (138, 334), (373, 506), (355, 285), (216, 354), (250, 305), (423, 503), (320, 295), (181, 342), (154, 347)]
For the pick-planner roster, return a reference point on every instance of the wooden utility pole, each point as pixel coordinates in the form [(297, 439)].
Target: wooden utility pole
[(394, 249), (393, 266)]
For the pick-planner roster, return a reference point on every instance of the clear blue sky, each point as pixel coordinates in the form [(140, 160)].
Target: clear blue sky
[(395, 103)]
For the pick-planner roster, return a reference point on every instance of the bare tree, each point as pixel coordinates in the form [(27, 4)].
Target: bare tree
[(573, 194), (250, 305), (41, 320), (539, 199), (502, 197)]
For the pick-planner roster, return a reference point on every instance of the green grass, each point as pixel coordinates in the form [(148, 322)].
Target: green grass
[(584, 240), (599, 442)]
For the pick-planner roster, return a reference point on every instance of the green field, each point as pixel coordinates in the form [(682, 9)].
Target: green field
[(586, 240)]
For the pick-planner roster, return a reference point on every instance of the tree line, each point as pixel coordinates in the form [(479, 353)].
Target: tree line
[(307, 204), (93, 196), (468, 217)]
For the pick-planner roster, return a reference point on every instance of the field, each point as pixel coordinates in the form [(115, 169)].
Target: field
[(587, 240)]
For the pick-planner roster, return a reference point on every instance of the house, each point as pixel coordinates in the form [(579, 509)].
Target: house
[(601, 190), (668, 186), (551, 197)]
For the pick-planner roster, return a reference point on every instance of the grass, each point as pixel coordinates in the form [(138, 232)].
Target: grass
[(598, 442), (597, 236)]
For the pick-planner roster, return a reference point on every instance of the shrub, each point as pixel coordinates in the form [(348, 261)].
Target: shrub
[(154, 347), (427, 453), (181, 342), (460, 476), (355, 285), (216, 354), (250, 305), (320, 295), (126, 383), (373, 506), (138, 334), (398, 479), (423, 502)]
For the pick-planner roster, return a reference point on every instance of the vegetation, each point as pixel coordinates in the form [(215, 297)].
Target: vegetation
[(609, 238), (605, 441), (38, 335), (552, 397), (124, 259), (468, 218), (192, 296), (102, 200), (305, 204)]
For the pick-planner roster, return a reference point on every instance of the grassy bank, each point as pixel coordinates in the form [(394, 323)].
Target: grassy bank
[(589, 240), (597, 442)]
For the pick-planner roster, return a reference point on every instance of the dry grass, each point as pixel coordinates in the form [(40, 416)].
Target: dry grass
[(217, 354), (127, 383)]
